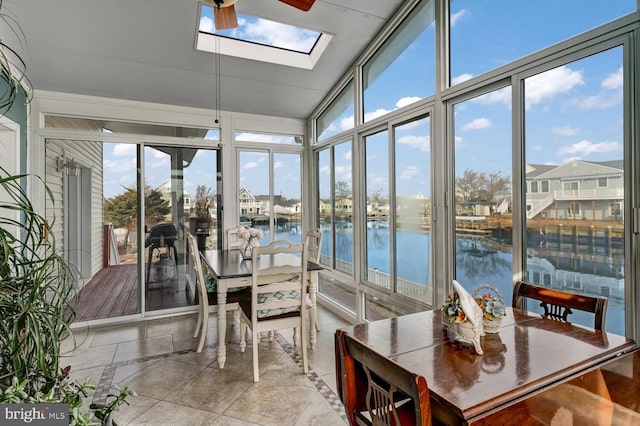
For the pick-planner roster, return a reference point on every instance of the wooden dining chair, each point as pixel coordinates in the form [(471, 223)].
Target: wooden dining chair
[(278, 297), (377, 391), (558, 304), (208, 301)]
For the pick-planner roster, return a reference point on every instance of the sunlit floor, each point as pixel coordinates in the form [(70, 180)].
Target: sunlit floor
[(177, 386)]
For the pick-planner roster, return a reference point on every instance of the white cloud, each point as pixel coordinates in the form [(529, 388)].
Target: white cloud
[(375, 114), (251, 165), (497, 96), (206, 24), (586, 147), (547, 85), (567, 160), (121, 164), (418, 142), (461, 78), (456, 16), (343, 173), (602, 100), (346, 123), (278, 165), (277, 34), (347, 155), (124, 150), (377, 181), (613, 81), (409, 172), (477, 124), (159, 155), (260, 137), (565, 131), (159, 162), (402, 102)]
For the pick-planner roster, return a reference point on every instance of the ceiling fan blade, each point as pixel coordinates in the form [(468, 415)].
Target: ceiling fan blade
[(225, 17), (303, 5)]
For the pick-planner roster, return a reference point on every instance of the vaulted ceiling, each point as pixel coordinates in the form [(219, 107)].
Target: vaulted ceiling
[(143, 50)]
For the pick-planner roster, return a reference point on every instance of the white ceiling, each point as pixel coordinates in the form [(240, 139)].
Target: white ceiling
[(143, 50)]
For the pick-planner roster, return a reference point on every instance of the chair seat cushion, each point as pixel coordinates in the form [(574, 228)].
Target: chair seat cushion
[(273, 313), (277, 296)]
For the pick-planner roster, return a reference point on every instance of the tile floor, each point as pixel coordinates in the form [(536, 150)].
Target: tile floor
[(177, 386)]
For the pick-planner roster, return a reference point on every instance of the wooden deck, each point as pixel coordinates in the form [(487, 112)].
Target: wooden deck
[(113, 292)]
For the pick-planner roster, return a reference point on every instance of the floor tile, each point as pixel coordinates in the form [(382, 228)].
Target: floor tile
[(113, 335), (166, 413), (176, 385), (161, 378), (213, 389), (319, 413), (271, 404), (90, 357), (144, 348)]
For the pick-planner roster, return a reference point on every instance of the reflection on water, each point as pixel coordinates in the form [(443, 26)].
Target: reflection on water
[(578, 267)]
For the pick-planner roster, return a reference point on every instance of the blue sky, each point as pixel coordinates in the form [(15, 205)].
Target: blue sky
[(572, 112)]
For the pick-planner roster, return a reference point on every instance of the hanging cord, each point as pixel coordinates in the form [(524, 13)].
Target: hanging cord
[(216, 65)]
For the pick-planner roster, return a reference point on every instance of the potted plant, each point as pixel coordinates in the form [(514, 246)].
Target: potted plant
[(201, 223), (36, 283), (37, 287)]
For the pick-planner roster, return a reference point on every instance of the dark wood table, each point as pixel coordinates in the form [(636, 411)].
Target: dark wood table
[(605, 395), (529, 353), (232, 271)]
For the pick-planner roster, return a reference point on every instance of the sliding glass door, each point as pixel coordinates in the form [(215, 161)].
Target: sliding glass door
[(179, 198), (124, 231)]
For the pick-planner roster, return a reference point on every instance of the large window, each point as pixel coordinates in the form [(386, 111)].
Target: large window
[(413, 209), (552, 144), (378, 243), (336, 206), (483, 243), (486, 34), (180, 197), (268, 138), (338, 116), (336, 221), (574, 140), (124, 213), (269, 197), (398, 225), (402, 70)]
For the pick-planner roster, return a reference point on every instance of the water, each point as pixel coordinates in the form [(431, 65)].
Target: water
[(479, 261)]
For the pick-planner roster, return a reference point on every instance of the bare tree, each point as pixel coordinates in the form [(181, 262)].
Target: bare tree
[(376, 200), (466, 185), (342, 190), (474, 185)]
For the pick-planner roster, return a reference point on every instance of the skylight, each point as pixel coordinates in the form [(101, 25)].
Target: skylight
[(262, 40)]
